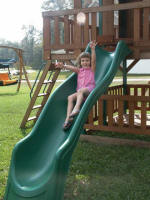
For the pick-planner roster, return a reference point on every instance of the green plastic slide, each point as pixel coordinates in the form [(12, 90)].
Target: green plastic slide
[(40, 161)]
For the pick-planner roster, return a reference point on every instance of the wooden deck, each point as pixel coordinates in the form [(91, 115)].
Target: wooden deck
[(61, 31)]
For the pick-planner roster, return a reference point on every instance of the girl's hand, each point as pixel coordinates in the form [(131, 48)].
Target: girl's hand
[(93, 44), (59, 65)]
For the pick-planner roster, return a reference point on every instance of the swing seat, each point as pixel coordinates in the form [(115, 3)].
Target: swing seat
[(5, 80)]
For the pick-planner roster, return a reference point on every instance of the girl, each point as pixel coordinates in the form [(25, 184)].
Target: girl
[(85, 82)]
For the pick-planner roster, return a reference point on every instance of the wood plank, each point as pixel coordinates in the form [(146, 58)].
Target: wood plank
[(131, 113), (31, 118), (120, 113), (125, 98), (96, 110), (63, 57), (72, 33), (146, 31), (108, 20), (110, 112), (86, 30), (93, 30), (100, 112), (77, 34), (90, 117), (136, 24), (134, 130), (77, 3), (36, 107), (132, 64), (143, 115)]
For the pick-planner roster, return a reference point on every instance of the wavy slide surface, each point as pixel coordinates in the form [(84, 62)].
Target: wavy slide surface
[(40, 161)]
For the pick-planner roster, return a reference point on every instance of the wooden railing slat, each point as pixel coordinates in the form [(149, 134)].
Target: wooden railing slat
[(93, 31), (90, 117), (143, 115), (56, 31), (66, 30), (131, 113), (120, 113), (100, 112), (110, 112), (86, 30)]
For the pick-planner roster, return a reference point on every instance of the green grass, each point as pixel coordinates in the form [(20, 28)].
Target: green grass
[(62, 75), (97, 172)]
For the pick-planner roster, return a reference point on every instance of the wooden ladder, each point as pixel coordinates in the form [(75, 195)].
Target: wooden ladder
[(49, 84)]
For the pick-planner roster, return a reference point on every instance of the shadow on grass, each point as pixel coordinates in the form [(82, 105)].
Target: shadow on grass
[(9, 94)]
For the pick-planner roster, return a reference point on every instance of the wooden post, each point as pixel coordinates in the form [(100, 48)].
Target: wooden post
[(46, 37), (108, 20), (125, 82), (77, 3), (124, 77)]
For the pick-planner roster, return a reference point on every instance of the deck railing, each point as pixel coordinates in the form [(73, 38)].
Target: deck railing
[(122, 113), (61, 31)]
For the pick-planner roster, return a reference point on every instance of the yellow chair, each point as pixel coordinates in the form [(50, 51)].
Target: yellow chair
[(5, 80)]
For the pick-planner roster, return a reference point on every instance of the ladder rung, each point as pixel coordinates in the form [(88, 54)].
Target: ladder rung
[(46, 82), (42, 94), (35, 107), (31, 118)]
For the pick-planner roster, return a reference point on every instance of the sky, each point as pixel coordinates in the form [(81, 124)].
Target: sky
[(16, 13)]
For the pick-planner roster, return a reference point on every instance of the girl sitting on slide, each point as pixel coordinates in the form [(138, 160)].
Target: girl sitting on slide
[(85, 82)]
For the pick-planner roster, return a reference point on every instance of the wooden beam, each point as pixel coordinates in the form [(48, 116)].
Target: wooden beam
[(123, 6), (63, 57), (14, 48), (132, 64), (113, 141), (126, 98)]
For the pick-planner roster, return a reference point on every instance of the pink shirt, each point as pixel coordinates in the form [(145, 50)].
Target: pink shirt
[(85, 79)]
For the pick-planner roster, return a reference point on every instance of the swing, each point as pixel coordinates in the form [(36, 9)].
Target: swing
[(5, 77), (5, 80)]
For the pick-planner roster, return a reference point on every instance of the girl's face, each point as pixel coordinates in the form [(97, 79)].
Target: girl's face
[(85, 62)]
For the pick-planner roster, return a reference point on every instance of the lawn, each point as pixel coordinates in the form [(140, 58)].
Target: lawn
[(97, 172)]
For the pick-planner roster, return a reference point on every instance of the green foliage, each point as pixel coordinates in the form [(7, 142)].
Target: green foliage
[(57, 4)]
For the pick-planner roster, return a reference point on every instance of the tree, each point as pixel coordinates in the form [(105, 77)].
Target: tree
[(32, 45), (57, 4), (6, 53)]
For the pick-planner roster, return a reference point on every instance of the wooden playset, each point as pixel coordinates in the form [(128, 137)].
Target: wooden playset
[(5, 79), (123, 108)]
